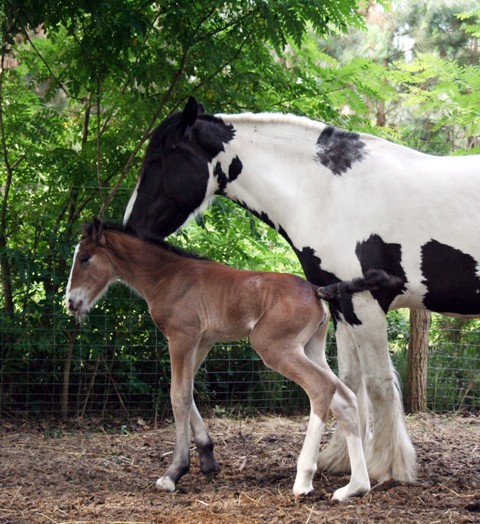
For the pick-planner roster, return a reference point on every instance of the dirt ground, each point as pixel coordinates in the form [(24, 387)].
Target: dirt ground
[(50, 473)]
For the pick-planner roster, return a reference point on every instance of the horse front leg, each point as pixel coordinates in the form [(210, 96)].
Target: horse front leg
[(335, 456), (181, 394), (203, 443), (391, 454), (345, 409)]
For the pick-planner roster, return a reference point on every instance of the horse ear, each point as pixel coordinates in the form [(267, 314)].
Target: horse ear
[(189, 115), (87, 229), (97, 232)]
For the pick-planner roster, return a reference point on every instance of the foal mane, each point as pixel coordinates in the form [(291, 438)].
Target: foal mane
[(150, 239)]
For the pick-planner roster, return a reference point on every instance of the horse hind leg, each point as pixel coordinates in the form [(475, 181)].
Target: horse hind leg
[(335, 456), (391, 454)]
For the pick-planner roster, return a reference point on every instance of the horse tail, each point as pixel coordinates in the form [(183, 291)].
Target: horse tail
[(372, 280)]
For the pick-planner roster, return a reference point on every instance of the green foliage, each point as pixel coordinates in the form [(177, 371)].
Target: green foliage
[(82, 84)]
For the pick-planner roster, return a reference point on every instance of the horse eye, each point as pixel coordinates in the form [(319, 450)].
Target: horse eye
[(84, 259)]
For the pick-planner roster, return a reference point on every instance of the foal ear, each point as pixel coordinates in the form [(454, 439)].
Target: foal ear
[(97, 232), (87, 229), (189, 116)]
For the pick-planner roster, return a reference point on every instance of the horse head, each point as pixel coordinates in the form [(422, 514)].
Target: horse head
[(175, 179)]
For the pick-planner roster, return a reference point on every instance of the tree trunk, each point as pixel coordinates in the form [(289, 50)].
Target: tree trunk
[(417, 363), (5, 267)]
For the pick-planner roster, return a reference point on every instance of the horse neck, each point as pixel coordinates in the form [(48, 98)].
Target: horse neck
[(277, 153), (140, 264)]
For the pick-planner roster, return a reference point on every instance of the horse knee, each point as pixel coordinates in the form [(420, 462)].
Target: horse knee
[(345, 409), (380, 389)]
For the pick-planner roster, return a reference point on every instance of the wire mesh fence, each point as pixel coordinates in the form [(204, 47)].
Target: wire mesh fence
[(116, 364)]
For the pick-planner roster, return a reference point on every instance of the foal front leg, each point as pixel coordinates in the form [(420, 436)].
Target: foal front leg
[(203, 441), (181, 394)]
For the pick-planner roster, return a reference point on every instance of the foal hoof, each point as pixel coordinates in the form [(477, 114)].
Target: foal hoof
[(165, 484), (209, 469)]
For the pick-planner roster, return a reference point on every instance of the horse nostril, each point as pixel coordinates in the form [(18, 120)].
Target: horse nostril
[(74, 306)]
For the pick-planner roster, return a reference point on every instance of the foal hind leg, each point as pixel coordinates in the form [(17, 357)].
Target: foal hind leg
[(344, 408), (320, 385)]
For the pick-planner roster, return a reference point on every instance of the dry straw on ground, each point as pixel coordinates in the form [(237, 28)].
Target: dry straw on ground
[(51, 474)]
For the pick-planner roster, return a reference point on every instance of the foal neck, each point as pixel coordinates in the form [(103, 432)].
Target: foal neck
[(143, 263)]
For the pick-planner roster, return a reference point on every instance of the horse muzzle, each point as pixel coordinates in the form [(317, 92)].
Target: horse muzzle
[(76, 305)]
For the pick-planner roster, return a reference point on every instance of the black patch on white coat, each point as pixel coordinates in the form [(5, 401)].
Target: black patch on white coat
[(262, 216), (234, 170), (338, 150), (374, 253), (312, 267), (451, 280)]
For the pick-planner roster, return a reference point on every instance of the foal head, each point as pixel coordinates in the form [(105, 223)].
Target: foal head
[(91, 272)]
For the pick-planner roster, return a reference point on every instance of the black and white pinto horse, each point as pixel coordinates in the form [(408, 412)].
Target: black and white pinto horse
[(346, 203)]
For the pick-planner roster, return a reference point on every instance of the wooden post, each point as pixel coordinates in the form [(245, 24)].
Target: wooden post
[(417, 362)]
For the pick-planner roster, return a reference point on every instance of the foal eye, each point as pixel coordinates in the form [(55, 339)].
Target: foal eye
[(84, 259)]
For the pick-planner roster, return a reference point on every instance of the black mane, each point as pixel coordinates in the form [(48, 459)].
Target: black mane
[(157, 241), (214, 134)]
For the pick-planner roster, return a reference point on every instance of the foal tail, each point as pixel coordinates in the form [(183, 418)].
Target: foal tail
[(372, 280)]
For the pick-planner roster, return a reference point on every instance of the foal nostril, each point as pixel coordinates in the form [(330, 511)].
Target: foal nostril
[(74, 306)]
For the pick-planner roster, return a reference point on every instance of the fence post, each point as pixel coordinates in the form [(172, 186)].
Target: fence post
[(417, 361)]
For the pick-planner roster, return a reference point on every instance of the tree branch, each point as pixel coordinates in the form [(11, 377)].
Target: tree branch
[(146, 133), (4, 259), (99, 139), (49, 69)]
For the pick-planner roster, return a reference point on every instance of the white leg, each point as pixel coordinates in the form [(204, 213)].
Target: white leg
[(306, 464), (391, 453), (181, 456), (344, 407), (335, 456)]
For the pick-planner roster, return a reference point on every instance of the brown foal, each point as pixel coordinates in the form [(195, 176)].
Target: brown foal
[(197, 302)]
